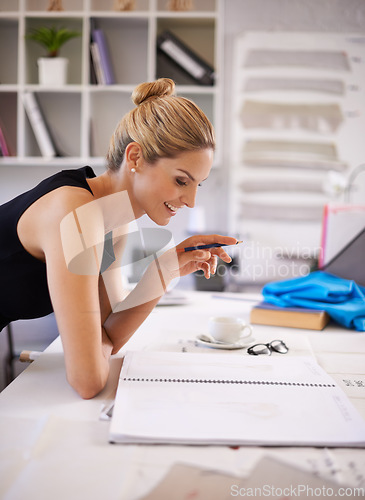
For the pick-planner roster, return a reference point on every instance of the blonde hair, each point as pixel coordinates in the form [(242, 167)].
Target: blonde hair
[(163, 124)]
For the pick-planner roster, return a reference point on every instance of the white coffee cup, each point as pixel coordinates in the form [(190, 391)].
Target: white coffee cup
[(228, 329)]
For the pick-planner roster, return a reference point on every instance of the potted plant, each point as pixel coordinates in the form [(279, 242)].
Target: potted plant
[(52, 69)]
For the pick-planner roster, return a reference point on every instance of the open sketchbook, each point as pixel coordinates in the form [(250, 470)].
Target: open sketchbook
[(187, 398)]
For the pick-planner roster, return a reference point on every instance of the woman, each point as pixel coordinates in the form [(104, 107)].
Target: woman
[(50, 256)]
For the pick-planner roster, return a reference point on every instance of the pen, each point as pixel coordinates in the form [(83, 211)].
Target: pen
[(204, 247)]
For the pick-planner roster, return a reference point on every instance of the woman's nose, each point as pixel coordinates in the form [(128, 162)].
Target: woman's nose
[(188, 197)]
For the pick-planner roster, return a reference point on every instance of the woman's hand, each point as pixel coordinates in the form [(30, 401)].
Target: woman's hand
[(204, 260), (175, 263)]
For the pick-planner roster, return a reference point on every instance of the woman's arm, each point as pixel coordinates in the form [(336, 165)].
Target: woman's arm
[(87, 348), (74, 293)]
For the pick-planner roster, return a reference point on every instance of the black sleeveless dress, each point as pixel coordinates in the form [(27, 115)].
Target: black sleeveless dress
[(23, 279)]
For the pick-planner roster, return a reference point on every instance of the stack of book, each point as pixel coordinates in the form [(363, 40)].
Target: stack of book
[(265, 313)]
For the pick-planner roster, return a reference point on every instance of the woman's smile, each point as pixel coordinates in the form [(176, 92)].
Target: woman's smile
[(171, 208)]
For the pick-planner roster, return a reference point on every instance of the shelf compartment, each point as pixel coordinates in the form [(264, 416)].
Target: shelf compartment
[(197, 34), (101, 5), (8, 46), (127, 41), (72, 49), (106, 110), (41, 5), (198, 5), (9, 6), (8, 120), (62, 114)]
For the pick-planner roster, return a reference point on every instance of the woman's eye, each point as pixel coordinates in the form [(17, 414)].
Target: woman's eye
[(181, 182)]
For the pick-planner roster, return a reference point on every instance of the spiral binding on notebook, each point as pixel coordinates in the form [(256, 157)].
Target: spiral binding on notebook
[(217, 381)]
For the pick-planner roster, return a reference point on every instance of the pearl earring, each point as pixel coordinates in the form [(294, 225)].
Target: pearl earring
[(133, 170)]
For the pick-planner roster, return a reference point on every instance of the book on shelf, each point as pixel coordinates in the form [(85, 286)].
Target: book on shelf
[(4, 150), (223, 399), (8, 145), (92, 71), (102, 56), (38, 124), (96, 63), (265, 313), (187, 59)]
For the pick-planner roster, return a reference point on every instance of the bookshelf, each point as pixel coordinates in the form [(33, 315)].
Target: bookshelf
[(297, 122), (82, 115)]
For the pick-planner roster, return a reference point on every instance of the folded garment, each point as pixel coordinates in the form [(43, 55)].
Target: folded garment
[(343, 300)]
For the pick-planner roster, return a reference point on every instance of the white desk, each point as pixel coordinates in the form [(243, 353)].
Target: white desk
[(53, 444)]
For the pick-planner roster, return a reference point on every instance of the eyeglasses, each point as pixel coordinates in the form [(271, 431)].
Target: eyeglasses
[(275, 345)]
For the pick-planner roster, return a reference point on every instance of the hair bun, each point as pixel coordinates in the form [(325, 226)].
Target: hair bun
[(159, 88)]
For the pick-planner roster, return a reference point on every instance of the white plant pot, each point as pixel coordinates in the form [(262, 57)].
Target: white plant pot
[(52, 70)]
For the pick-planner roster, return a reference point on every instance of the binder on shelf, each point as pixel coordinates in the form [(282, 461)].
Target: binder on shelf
[(187, 59), (38, 125), (165, 66), (105, 61)]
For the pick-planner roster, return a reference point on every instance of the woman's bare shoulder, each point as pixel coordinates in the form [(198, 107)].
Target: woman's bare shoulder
[(41, 221), (65, 199)]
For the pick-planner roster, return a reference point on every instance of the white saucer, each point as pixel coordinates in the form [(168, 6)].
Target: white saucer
[(173, 298), (244, 342)]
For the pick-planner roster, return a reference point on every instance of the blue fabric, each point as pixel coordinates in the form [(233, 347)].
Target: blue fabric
[(342, 299)]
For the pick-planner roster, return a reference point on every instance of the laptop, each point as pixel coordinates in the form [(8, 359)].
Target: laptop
[(349, 263)]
